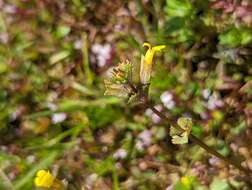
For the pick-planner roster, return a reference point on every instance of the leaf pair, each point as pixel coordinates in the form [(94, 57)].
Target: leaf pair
[(181, 136)]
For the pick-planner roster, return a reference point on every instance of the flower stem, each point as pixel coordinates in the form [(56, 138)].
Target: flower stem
[(205, 146)]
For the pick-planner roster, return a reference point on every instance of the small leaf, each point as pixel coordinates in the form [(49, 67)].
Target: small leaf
[(185, 123), (181, 137), (246, 36), (197, 130), (230, 38), (173, 131), (219, 184), (119, 90), (180, 8), (235, 37), (62, 31), (59, 56)]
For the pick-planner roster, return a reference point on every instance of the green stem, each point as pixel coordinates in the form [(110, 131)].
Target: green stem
[(6, 181), (87, 70)]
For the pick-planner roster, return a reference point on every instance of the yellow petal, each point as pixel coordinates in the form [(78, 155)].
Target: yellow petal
[(147, 61), (151, 51), (158, 48), (149, 56), (40, 173), (37, 181), (146, 44), (145, 70)]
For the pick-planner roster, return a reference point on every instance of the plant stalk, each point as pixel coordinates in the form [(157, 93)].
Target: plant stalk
[(197, 140), (203, 145)]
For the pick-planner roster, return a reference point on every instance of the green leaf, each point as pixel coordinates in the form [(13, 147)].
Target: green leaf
[(237, 129), (179, 136), (59, 56), (3, 68), (219, 184), (180, 8), (197, 130), (185, 123), (62, 31), (179, 29), (180, 139), (181, 186), (246, 37), (230, 38), (89, 75), (101, 167), (235, 37), (174, 24)]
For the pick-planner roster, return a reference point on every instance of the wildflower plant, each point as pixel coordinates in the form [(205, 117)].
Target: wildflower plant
[(122, 85), (53, 113)]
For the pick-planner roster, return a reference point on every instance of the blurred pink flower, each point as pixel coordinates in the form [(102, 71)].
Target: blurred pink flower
[(144, 140)]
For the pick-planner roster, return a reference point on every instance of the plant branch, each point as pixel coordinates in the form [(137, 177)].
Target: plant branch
[(203, 145), (195, 139)]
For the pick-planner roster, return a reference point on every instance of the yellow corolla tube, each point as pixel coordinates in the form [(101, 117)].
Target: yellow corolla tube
[(147, 61), (46, 180)]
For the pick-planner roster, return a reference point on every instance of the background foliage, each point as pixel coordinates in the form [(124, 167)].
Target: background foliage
[(54, 56)]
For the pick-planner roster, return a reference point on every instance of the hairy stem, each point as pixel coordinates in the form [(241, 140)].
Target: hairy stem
[(203, 145)]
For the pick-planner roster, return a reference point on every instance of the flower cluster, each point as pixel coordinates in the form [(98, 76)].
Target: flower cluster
[(168, 100), (121, 83)]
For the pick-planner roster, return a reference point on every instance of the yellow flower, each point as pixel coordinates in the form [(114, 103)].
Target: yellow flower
[(186, 181), (146, 62), (44, 179)]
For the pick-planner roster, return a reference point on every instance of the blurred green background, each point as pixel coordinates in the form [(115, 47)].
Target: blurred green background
[(54, 56)]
